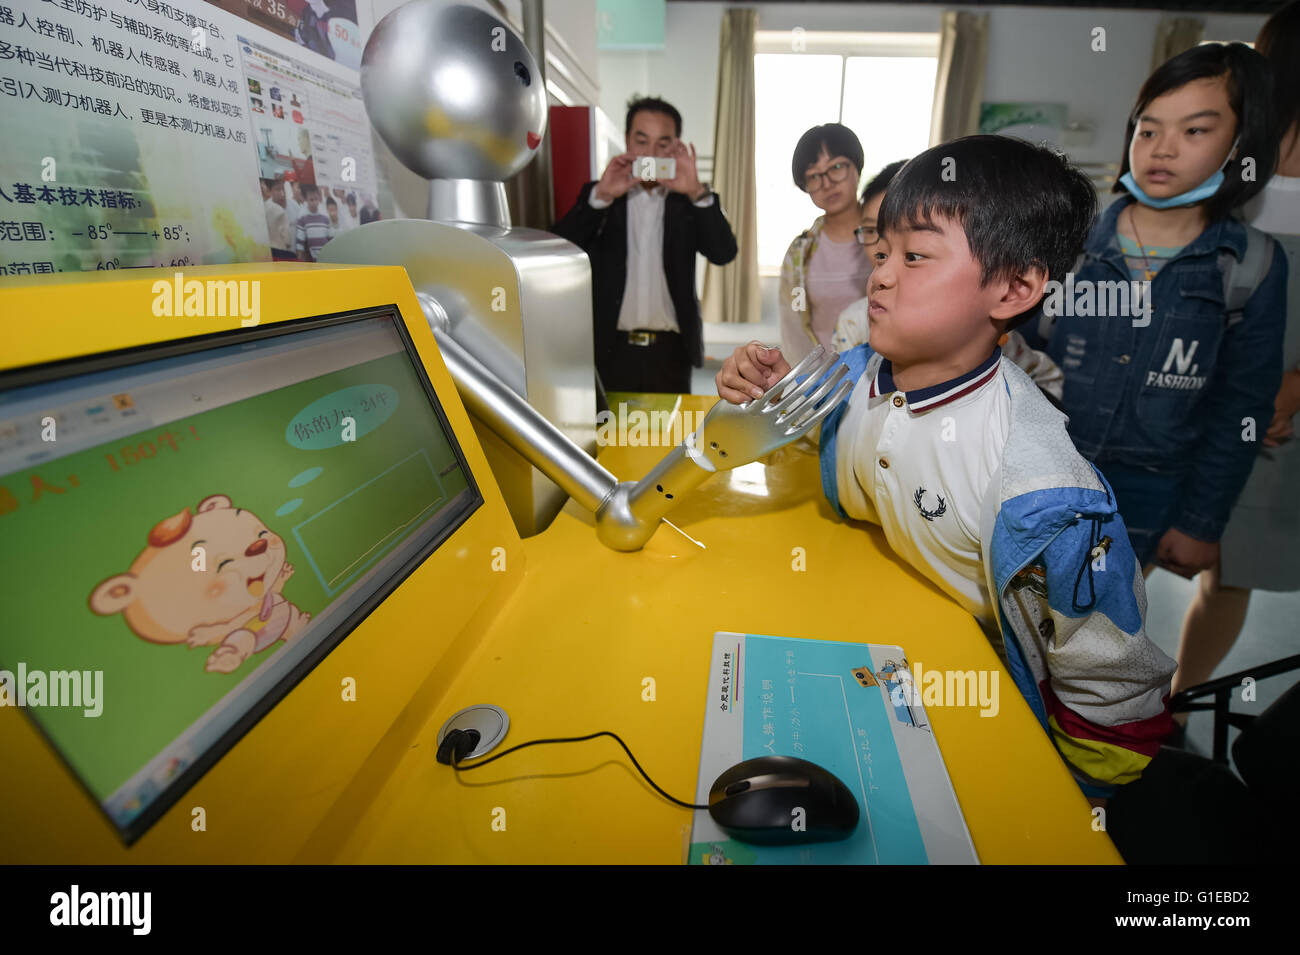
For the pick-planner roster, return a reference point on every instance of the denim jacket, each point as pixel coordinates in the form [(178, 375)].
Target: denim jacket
[(1177, 395)]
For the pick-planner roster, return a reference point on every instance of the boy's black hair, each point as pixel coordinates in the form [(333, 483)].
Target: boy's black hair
[(1279, 43), (1250, 93), (329, 201), (836, 139), (655, 105), (1020, 205), (881, 180), (310, 190)]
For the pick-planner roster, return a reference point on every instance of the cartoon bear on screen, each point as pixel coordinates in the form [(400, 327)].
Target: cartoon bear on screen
[(211, 578)]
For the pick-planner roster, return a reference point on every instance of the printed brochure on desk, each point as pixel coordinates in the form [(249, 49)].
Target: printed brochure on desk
[(848, 708)]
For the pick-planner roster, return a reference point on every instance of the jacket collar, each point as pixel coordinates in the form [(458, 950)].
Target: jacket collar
[(807, 245), (1227, 234), (924, 399)]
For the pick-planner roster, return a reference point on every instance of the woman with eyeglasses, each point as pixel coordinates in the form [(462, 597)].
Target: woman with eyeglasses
[(825, 267)]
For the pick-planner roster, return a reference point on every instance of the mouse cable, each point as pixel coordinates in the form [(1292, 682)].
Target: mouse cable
[(457, 743)]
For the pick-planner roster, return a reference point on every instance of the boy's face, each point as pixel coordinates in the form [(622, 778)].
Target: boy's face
[(925, 297), (1182, 137), (870, 213), (333, 210), (313, 200)]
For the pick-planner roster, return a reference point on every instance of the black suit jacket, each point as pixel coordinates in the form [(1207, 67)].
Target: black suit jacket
[(688, 229)]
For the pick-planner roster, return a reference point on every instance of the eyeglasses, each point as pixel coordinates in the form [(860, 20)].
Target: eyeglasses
[(866, 235), (837, 172)]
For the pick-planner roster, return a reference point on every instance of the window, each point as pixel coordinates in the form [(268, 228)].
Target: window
[(880, 85)]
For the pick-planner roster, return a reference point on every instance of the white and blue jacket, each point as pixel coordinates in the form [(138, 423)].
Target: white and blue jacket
[(1071, 595)]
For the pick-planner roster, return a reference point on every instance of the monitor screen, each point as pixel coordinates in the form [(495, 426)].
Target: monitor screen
[(187, 529)]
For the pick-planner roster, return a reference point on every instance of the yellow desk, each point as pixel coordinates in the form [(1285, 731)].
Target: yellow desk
[(556, 629), (568, 651)]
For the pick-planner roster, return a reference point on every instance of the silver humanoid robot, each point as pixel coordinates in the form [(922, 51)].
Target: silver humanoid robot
[(458, 98), (456, 95)]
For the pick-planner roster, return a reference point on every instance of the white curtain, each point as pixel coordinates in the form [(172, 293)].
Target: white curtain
[(959, 83), (1173, 36), (731, 291)]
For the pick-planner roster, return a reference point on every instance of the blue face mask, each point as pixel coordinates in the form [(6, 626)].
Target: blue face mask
[(1203, 191)]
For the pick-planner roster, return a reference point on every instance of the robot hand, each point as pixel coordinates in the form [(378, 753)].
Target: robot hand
[(732, 435)]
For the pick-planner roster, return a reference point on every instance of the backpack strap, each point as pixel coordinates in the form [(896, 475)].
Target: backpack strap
[(1241, 279)]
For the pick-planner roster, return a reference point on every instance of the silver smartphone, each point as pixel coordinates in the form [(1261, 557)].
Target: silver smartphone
[(654, 168)]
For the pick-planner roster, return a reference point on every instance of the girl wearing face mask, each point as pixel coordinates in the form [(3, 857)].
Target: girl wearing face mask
[(1261, 548), (825, 268), (1169, 388)]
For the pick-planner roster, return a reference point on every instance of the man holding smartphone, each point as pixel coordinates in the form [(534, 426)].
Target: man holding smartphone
[(641, 225)]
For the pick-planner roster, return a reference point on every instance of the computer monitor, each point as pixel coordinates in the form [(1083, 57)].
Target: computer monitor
[(187, 529)]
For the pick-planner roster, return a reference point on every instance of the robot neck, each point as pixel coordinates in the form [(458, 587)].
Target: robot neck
[(479, 201)]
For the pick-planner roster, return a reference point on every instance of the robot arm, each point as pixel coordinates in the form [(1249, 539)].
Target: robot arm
[(628, 513)]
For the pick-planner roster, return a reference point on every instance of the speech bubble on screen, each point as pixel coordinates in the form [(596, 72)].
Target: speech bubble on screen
[(319, 425)]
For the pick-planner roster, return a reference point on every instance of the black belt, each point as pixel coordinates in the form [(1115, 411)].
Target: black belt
[(644, 337)]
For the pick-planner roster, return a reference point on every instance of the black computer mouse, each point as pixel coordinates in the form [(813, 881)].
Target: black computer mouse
[(759, 800)]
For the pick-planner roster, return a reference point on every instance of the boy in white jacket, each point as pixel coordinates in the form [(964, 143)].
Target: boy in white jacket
[(950, 447)]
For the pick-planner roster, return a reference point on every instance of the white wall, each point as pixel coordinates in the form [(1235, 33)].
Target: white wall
[(685, 72), (1045, 55), (1035, 54)]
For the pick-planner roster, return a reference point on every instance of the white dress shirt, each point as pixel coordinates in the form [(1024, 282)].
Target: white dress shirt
[(647, 305)]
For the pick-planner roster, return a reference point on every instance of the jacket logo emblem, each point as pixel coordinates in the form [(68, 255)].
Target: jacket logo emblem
[(928, 514), (1181, 357), (1184, 377)]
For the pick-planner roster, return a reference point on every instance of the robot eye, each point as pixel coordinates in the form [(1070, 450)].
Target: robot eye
[(521, 71)]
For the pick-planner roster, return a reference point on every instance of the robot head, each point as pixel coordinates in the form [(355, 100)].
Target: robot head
[(453, 91)]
